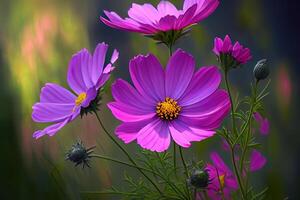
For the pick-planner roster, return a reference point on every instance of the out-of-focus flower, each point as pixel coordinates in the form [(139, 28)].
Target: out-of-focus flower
[(164, 21), (78, 154), (261, 70), (85, 77), (264, 125), (257, 161), (230, 55), (175, 102), (222, 178)]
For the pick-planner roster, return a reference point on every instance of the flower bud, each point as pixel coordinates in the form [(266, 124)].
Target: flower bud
[(199, 179), (78, 154), (261, 70)]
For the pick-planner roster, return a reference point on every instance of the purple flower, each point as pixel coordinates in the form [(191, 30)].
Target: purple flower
[(264, 125), (85, 77), (148, 20), (222, 178), (257, 161), (175, 102), (229, 53)]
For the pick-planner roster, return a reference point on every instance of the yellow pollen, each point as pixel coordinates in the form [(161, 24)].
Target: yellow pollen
[(222, 180), (81, 97), (168, 109)]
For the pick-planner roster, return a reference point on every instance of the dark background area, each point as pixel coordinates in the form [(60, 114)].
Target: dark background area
[(38, 37)]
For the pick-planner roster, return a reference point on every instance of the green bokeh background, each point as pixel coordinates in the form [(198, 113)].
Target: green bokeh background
[(37, 39)]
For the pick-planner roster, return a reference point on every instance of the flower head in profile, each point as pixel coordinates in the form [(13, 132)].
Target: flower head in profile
[(175, 103), (222, 178), (162, 21), (86, 75), (230, 55)]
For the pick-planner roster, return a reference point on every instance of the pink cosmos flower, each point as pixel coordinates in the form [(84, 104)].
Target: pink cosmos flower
[(148, 20), (233, 54), (85, 77), (264, 125), (257, 161), (176, 102), (222, 178)]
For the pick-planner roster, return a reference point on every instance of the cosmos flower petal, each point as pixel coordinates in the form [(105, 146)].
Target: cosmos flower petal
[(126, 25), (98, 60), (186, 19), (264, 125), (91, 94), (128, 113), (51, 112), (145, 14), (204, 83), (155, 136), (182, 134), (206, 9), (129, 131), (148, 77), (114, 56), (78, 77), (179, 73), (166, 8), (53, 93), (125, 93), (208, 122), (218, 162), (216, 102), (167, 23), (51, 130), (257, 161)]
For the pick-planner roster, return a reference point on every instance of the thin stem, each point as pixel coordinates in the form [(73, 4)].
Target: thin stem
[(126, 153), (245, 148), (185, 170), (174, 158), (231, 102), (123, 163), (237, 174), (236, 171)]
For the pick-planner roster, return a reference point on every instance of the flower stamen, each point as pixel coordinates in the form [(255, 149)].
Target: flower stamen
[(168, 109), (80, 99)]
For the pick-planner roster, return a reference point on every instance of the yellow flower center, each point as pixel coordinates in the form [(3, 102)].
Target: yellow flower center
[(222, 180), (168, 109), (81, 97)]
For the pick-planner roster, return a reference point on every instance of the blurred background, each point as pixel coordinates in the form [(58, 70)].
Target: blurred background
[(37, 39)]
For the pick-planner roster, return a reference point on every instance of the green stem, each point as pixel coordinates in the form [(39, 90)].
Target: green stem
[(231, 102), (248, 124), (236, 171), (185, 170), (237, 174), (127, 154), (174, 157)]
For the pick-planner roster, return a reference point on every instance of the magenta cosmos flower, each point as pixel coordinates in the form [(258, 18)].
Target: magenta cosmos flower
[(148, 20), (264, 125), (85, 77), (173, 103), (229, 54), (222, 178)]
